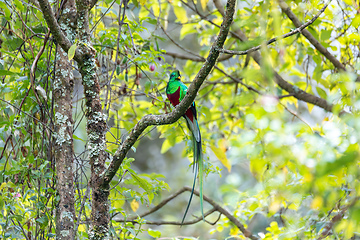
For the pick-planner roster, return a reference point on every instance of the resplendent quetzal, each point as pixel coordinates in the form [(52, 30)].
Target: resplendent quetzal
[(175, 91)]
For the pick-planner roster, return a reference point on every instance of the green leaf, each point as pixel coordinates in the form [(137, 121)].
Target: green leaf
[(321, 92), (152, 21), (165, 146), (77, 138), (180, 13), (17, 217), (136, 3), (144, 184), (19, 5), (356, 21), (325, 35), (187, 29), (6, 10), (1, 202), (154, 233), (7, 72), (71, 52), (147, 87), (220, 154), (329, 167), (203, 4)]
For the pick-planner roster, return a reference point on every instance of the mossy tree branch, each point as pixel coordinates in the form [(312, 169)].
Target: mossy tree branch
[(55, 29), (180, 109)]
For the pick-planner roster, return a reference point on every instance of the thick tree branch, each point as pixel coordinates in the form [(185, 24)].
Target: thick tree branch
[(96, 126), (180, 109), (216, 207), (286, 9), (301, 94), (293, 90), (55, 29), (297, 30), (222, 210)]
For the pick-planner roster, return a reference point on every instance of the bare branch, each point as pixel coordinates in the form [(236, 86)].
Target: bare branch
[(185, 57), (86, 195), (180, 109), (195, 58), (34, 66), (196, 220), (291, 89), (237, 80), (286, 9), (219, 7), (36, 3), (337, 218), (222, 210), (297, 30), (216, 207)]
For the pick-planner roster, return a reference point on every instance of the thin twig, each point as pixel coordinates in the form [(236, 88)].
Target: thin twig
[(338, 217), (103, 15), (216, 207), (286, 9), (294, 31), (296, 115), (82, 207), (28, 115)]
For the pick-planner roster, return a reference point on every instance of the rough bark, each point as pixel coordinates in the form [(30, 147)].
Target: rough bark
[(56, 30), (96, 120), (64, 151), (96, 126)]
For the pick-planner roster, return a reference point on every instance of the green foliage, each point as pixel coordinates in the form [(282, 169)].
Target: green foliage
[(27, 192), (288, 168)]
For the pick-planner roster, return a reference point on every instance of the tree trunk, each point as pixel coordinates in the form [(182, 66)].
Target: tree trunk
[(64, 150), (96, 126)]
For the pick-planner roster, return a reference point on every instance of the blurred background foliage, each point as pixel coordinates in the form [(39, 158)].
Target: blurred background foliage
[(284, 168)]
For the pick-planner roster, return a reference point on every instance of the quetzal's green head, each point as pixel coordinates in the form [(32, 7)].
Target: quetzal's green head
[(175, 75)]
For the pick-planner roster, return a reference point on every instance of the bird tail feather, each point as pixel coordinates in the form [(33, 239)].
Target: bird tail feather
[(198, 163)]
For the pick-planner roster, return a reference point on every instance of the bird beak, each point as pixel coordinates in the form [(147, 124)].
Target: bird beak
[(178, 78)]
